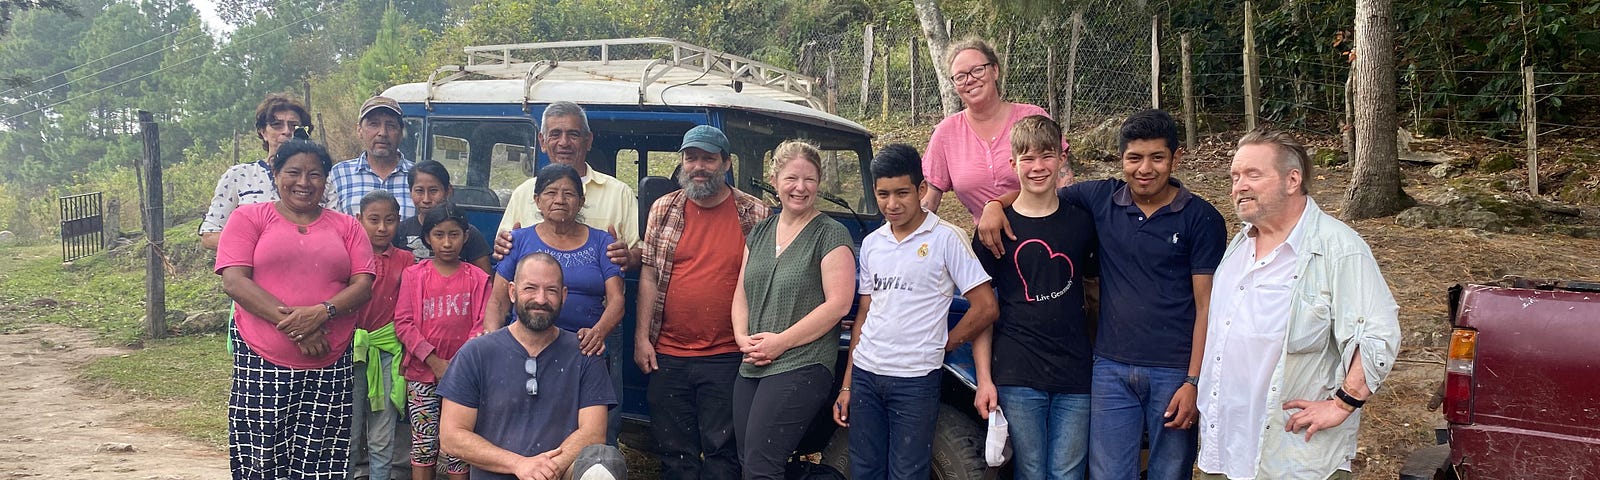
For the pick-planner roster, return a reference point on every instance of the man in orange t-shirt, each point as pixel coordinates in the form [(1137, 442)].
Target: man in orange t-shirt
[(685, 330)]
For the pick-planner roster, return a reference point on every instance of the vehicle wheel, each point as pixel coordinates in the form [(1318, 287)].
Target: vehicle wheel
[(837, 453), (957, 448), (1428, 463)]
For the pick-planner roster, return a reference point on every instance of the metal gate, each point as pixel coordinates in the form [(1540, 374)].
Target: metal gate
[(82, 227)]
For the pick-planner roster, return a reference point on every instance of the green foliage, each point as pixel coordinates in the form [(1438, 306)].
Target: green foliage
[(392, 57), (106, 288)]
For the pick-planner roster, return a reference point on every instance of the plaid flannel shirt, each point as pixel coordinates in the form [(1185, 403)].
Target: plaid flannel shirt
[(352, 179), (666, 227)]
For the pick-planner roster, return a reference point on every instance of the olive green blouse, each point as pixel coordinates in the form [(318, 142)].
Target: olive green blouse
[(782, 289)]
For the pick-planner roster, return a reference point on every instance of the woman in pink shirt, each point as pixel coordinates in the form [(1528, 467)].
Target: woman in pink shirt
[(970, 151), (297, 271), (441, 307)]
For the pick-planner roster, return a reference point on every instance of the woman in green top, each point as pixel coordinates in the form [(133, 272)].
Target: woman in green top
[(797, 282)]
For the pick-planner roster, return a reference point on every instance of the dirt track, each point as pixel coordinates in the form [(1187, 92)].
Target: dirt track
[(65, 433)]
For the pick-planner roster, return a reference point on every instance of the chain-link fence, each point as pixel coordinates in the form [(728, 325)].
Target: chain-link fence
[(1104, 73)]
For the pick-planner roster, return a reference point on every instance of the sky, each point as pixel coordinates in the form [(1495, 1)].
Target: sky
[(208, 13)]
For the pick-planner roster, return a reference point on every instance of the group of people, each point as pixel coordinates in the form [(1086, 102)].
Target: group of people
[(363, 296)]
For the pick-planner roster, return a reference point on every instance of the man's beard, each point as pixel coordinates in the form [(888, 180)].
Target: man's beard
[(698, 191), (536, 318)]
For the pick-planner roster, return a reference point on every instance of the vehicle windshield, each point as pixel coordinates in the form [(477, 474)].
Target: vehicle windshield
[(487, 158)]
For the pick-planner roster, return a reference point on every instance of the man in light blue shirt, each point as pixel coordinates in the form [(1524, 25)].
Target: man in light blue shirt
[(1303, 328), (380, 166)]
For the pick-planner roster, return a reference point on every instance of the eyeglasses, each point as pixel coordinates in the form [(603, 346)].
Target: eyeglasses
[(976, 73), (532, 367), (282, 125)]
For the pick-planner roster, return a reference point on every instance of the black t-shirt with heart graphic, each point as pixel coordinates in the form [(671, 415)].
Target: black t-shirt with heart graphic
[(1042, 340)]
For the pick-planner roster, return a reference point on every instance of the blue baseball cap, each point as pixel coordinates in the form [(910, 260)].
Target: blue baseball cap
[(705, 137)]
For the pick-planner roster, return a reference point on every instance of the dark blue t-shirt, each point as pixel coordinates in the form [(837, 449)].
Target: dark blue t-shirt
[(488, 375), (584, 270), (1146, 270), (1042, 338)]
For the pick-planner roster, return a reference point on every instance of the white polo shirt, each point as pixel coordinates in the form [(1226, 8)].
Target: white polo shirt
[(912, 283)]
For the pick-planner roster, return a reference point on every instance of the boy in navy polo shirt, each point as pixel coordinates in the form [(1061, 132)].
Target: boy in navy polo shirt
[(1159, 245), (911, 268)]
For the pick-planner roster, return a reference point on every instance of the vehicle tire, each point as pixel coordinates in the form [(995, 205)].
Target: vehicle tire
[(1428, 463), (957, 448), (837, 453)]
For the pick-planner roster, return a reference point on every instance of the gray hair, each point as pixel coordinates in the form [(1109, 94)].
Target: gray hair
[(566, 109), (1291, 153)]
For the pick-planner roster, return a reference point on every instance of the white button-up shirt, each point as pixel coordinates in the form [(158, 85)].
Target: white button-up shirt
[(1250, 302), (1339, 306)]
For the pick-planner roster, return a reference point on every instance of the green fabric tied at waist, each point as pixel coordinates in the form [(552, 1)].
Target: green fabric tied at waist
[(365, 348)]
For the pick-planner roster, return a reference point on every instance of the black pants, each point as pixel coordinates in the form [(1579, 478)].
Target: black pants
[(691, 410), (771, 414)]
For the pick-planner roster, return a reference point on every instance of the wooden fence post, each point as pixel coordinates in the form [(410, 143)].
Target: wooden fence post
[(111, 228), (1072, 67), (1250, 106), (911, 73), (833, 84), (1530, 122), (866, 66), (1188, 96), (1155, 61), (155, 286)]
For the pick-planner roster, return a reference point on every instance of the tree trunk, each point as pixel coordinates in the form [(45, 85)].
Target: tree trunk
[(933, 29), (1375, 180)]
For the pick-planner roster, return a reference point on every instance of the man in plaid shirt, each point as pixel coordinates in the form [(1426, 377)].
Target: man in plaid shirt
[(380, 166), (685, 331)]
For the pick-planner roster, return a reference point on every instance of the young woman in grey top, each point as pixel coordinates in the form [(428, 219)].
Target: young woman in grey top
[(797, 282)]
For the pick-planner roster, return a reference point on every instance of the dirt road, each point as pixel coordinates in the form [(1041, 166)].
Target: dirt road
[(50, 428)]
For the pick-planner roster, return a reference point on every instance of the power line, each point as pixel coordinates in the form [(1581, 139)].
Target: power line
[(113, 67), (85, 64), (159, 70)]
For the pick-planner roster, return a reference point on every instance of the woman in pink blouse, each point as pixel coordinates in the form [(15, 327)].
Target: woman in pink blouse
[(297, 271), (970, 151)]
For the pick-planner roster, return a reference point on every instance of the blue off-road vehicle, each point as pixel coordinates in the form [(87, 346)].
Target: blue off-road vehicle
[(641, 95)]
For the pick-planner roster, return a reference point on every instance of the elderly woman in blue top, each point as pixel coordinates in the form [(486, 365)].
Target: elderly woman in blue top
[(594, 284)]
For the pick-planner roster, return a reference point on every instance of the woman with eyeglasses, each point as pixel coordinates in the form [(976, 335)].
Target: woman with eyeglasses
[(970, 151), (594, 301), (297, 272), (276, 119)]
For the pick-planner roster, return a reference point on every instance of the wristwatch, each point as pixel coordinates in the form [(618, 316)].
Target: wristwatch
[(1348, 399), (332, 310), (1192, 380)]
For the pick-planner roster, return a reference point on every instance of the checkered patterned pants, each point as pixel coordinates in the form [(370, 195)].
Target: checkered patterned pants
[(286, 423)]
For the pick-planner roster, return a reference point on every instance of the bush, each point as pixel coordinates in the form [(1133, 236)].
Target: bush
[(33, 214)]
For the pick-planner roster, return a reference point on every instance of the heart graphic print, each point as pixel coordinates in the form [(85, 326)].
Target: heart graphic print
[(1035, 254)]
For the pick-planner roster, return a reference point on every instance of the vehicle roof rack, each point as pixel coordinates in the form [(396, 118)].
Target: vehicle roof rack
[(647, 61)]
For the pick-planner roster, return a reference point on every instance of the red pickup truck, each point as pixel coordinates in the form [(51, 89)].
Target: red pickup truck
[(1522, 384)]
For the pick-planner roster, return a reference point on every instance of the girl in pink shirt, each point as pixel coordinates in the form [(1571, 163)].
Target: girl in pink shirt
[(440, 307)]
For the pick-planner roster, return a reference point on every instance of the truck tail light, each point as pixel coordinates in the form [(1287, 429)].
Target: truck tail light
[(1458, 375)]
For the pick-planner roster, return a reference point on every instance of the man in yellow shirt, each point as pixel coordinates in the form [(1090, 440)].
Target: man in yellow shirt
[(608, 203)]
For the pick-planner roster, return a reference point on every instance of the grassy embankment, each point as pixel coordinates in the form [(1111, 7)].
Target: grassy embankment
[(105, 293)]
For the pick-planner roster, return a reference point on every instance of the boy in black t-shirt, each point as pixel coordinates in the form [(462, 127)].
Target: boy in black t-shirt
[(1036, 362)]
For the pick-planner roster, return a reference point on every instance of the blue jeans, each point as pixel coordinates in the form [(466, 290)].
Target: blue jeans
[(372, 431), (891, 425), (1049, 432), (1128, 402)]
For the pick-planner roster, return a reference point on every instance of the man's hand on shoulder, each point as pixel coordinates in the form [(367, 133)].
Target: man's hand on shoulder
[(502, 242)]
